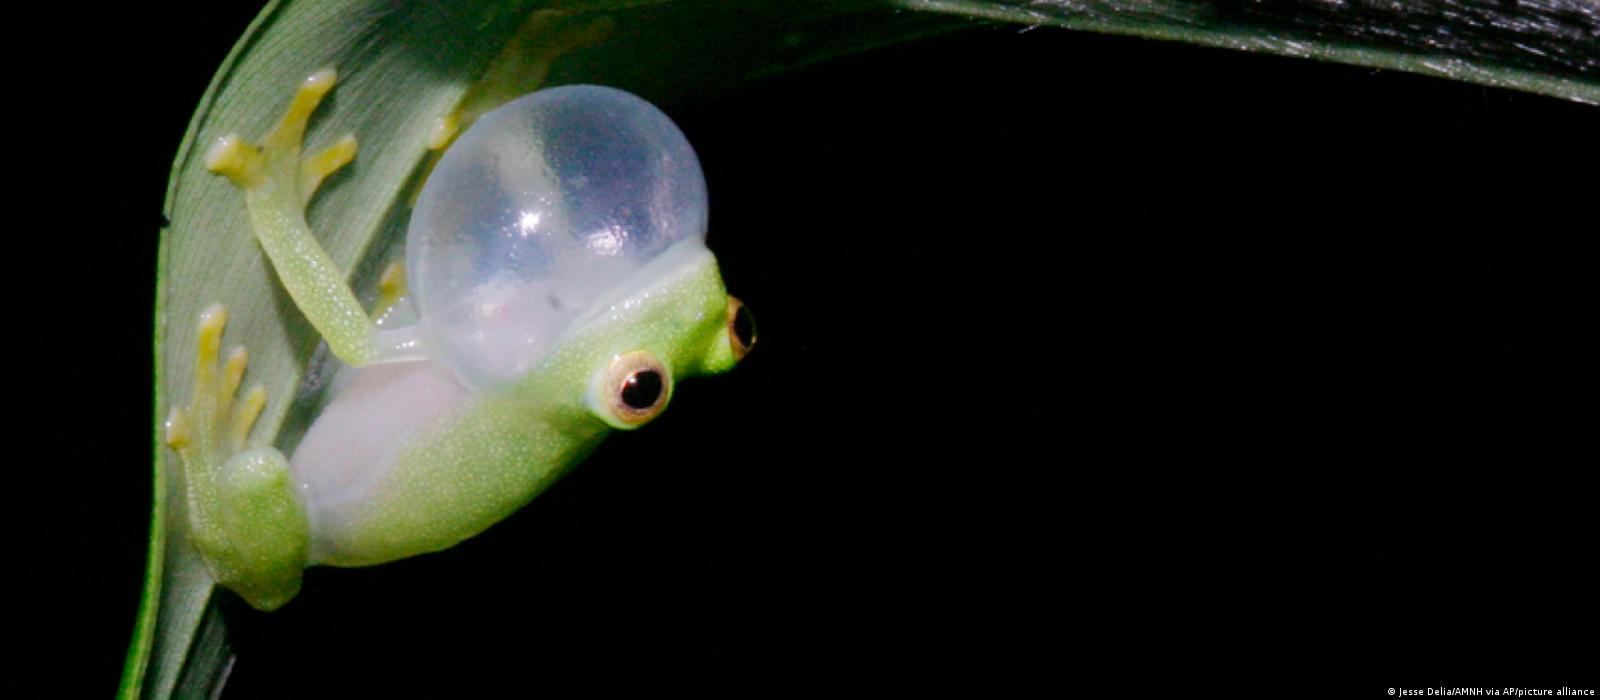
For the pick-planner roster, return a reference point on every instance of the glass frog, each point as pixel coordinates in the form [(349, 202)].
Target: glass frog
[(562, 288)]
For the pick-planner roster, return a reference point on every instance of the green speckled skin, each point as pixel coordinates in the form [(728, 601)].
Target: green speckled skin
[(424, 486), (479, 464)]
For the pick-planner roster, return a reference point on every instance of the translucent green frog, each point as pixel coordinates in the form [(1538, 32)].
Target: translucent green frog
[(560, 288)]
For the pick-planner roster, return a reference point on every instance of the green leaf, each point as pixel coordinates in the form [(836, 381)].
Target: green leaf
[(1546, 48), (403, 66)]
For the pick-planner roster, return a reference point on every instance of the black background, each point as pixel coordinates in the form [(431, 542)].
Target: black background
[(1086, 363)]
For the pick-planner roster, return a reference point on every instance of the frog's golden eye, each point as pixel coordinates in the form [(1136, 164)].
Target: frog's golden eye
[(635, 388), (741, 328)]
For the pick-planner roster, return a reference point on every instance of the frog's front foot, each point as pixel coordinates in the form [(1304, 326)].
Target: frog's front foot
[(278, 182), (243, 515), (275, 167)]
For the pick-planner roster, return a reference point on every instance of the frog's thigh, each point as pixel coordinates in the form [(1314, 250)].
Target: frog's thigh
[(266, 525)]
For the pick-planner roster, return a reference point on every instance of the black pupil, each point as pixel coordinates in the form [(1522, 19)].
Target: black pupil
[(642, 389), (744, 326)]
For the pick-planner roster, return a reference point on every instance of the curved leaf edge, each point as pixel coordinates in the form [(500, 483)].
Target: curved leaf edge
[(136, 666), (1448, 67)]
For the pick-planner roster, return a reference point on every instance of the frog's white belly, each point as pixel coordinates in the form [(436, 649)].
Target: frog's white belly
[(353, 444)]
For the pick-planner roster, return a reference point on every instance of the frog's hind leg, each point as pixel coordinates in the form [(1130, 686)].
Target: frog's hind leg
[(278, 181), (244, 517)]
